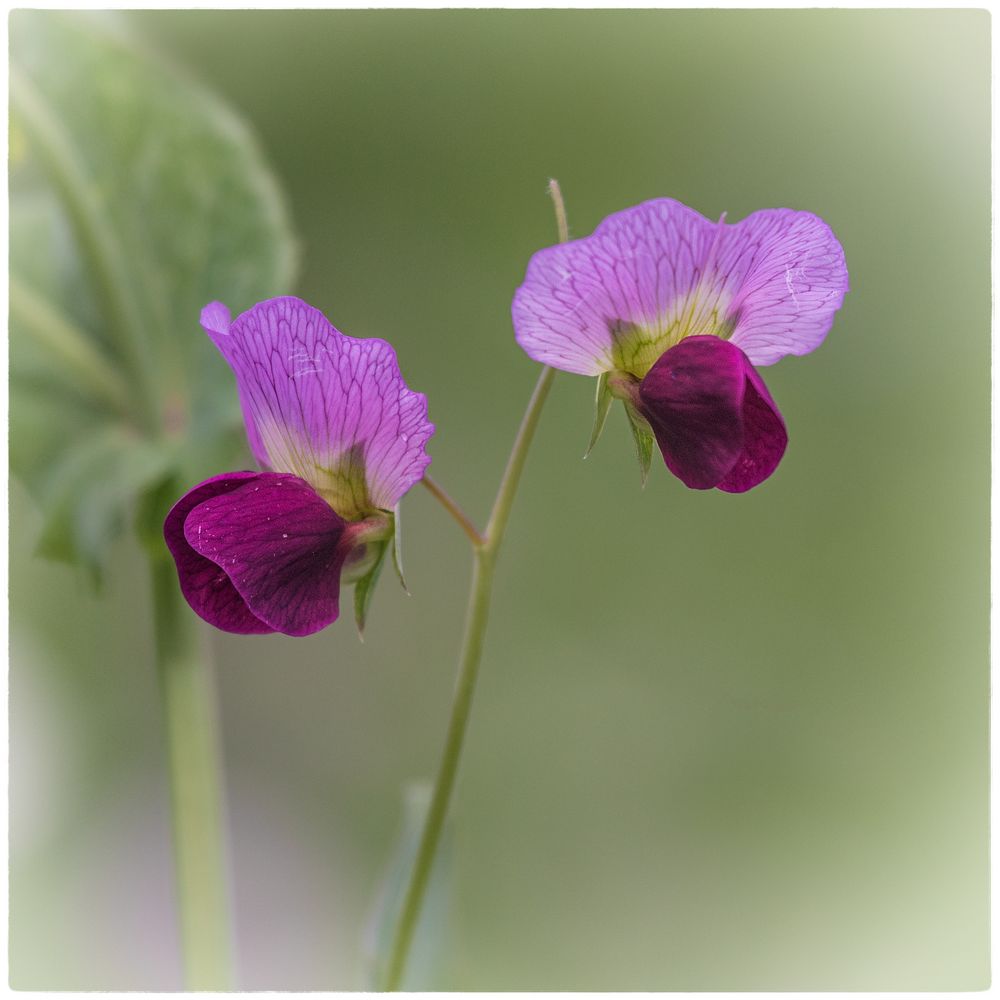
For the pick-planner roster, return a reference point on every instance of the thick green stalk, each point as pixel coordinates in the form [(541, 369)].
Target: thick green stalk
[(195, 786)]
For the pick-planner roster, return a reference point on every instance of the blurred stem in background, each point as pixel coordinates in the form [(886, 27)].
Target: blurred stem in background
[(486, 546), (183, 671), (195, 776), (118, 161), (189, 709)]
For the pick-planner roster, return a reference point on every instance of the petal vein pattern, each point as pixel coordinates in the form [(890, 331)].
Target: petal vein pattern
[(280, 546), (789, 278), (331, 409), (659, 272)]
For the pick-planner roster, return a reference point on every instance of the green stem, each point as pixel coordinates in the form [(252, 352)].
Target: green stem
[(475, 631), (195, 786), (555, 193), (477, 616), (497, 524), (472, 649), (463, 519)]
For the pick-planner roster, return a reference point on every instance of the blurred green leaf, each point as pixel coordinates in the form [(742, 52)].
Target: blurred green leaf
[(68, 349), (158, 496), (89, 490), (136, 198)]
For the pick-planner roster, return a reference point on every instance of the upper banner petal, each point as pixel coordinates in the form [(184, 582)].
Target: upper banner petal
[(654, 274), (577, 296), (204, 585), (332, 409), (215, 321), (281, 546)]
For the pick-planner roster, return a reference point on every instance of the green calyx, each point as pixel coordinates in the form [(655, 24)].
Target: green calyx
[(602, 406), (624, 386), (643, 437), (373, 539)]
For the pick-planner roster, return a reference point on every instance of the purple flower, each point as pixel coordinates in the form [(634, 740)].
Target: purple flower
[(332, 417), (672, 312)]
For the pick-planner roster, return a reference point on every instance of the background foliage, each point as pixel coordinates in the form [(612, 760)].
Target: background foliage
[(720, 742), (135, 199)]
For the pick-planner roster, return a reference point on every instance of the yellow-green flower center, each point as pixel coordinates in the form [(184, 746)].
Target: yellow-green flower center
[(637, 346), (343, 485), (340, 482)]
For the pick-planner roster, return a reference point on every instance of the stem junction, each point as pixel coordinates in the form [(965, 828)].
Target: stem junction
[(485, 549)]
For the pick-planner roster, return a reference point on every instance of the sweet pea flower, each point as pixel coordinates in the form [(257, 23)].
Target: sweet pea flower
[(341, 438), (673, 312)]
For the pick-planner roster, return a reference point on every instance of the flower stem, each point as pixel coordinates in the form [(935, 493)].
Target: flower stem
[(472, 647), (497, 524), (463, 519), (555, 193), (195, 786)]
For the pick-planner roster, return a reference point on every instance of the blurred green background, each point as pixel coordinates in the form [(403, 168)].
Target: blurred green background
[(720, 742)]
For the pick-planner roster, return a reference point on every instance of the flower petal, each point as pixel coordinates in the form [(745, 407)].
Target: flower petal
[(281, 545), (206, 587), (713, 418), (628, 272), (215, 321), (328, 408), (659, 272), (788, 277), (764, 438)]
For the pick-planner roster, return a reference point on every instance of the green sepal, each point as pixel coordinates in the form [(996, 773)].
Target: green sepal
[(365, 587), (643, 437), (602, 406), (397, 548)]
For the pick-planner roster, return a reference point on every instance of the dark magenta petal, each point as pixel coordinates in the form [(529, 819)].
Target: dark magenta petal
[(764, 437), (713, 418), (282, 547), (204, 585)]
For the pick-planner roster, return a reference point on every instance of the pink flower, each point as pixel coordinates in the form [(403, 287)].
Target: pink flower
[(342, 439), (672, 312)]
